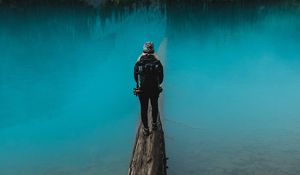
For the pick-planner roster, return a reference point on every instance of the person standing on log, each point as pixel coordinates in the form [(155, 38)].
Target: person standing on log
[(148, 74)]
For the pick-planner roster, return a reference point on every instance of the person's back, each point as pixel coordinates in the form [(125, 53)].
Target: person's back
[(148, 74)]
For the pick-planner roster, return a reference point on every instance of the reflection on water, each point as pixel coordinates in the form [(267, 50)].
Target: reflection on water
[(230, 99), (65, 75)]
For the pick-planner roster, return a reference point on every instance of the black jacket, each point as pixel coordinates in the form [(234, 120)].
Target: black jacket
[(153, 84)]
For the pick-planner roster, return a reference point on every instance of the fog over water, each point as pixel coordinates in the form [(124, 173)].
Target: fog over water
[(230, 100)]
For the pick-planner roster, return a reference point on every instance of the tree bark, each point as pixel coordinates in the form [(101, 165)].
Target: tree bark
[(149, 156)]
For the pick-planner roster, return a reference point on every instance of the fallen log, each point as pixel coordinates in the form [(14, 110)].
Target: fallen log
[(149, 156)]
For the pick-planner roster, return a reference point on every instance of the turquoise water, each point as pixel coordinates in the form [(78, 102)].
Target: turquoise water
[(67, 105), (230, 101)]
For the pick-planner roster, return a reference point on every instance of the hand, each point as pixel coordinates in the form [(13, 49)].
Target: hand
[(136, 91)]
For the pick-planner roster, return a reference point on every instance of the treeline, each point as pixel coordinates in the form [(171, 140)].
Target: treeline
[(22, 3), (124, 3), (67, 2)]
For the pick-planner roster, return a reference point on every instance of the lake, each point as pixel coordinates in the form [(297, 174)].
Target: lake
[(230, 100)]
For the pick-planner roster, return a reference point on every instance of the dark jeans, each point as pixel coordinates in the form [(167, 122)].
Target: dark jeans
[(144, 101)]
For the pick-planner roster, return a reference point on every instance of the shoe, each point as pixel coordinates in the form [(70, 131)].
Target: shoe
[(146, 131), (154, 126)]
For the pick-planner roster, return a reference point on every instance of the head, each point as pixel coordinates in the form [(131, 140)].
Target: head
[(148, 47)]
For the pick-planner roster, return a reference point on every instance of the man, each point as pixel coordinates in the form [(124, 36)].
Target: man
[(148, 74)]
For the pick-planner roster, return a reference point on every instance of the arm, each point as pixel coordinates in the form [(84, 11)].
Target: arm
[(160, 73), (136, 69), (135, 72)]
